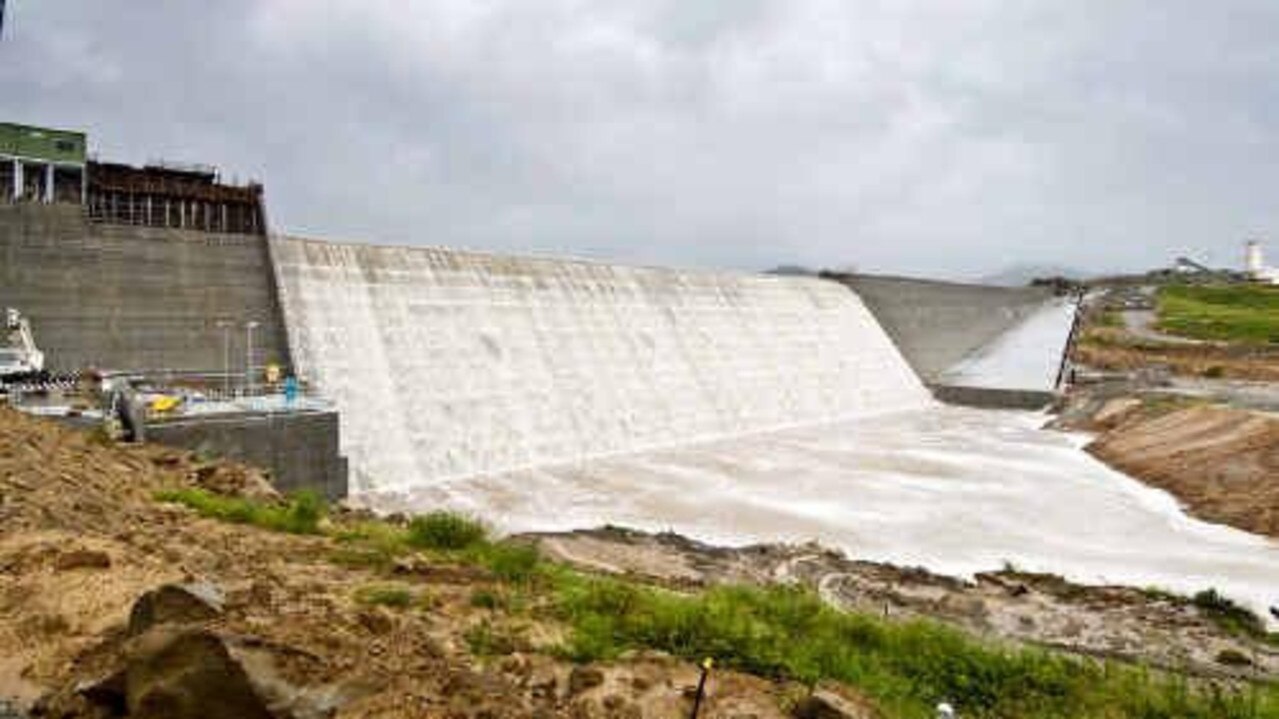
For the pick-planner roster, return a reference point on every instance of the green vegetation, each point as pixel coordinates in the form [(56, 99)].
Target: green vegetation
[(1236, 313), (300, 514), (1231, 617), (487, 639), (385, 595), (445, 530), (784, 633), (1109, 318), (1222, 611), (906, 667)]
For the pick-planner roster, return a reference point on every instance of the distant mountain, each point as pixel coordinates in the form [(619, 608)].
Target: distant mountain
[(1021, 275), (790, 270)]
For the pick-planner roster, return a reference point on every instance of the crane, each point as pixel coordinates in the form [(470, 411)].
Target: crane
[(20, 359)]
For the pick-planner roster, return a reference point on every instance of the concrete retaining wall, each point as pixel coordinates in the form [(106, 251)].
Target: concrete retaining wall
[(936, 324), (136, 298), (993, 397), (300, 449)]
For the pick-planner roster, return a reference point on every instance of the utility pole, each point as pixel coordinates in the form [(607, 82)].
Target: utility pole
[(248, 354), (226, 357)]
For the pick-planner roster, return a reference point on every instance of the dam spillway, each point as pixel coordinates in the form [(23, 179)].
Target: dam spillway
[(547, 394), (448, 364)]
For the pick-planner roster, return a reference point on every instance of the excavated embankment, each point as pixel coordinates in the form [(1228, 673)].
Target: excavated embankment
[(1221, 463), (82, 541)]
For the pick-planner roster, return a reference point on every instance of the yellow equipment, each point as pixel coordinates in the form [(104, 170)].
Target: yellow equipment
[(164, 404)]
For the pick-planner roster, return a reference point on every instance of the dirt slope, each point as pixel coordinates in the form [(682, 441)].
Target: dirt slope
[(1222, 463), (81, 539)]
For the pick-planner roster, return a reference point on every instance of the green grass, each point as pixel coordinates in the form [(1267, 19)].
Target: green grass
[(1222, 611), (385, 596), (906, 667), (445, 530), (783, 633), (1236, 313), (1233, 618), (299, 514)]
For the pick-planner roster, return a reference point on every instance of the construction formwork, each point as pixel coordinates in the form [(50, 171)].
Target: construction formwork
[(188, 198)]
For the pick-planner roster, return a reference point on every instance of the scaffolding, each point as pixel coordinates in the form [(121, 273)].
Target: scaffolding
[(188, 197)]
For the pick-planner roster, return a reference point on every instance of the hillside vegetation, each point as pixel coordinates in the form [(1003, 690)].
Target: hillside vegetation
[(1232, 313)]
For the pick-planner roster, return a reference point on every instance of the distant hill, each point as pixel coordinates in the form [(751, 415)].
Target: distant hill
[(1021, 275), (790, 270)]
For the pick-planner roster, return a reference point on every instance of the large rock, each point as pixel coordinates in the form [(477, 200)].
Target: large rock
[(175, 604), (188, 673), (831, 703)]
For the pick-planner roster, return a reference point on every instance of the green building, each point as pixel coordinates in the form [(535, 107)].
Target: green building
[(40, 164)]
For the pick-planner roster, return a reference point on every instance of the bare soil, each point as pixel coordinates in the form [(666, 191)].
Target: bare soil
[(1222, 463), (1119, 349), (81, 539)]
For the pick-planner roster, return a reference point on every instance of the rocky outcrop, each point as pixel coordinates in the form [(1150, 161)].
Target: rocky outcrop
[(185, 673), (175, 604)]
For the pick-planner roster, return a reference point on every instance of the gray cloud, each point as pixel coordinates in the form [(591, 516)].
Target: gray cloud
[(941, 138)]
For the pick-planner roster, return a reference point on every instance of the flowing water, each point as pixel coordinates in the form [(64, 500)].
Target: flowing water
[(952, 489), (447, 363), (546, 394)]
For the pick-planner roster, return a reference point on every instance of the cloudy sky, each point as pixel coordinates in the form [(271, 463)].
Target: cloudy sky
[(946, 138)]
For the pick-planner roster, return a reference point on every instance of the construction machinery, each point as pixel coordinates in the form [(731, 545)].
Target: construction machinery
[(20, 359)]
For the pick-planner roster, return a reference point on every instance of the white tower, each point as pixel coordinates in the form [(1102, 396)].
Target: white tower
[(1253, 262)]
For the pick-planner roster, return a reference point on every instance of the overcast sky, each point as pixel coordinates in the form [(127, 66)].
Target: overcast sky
[(946, 138)]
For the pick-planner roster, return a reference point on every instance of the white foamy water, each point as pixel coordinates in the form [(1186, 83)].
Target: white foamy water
[(446, 363), (489, 383), (955, 490), (1027, 356)]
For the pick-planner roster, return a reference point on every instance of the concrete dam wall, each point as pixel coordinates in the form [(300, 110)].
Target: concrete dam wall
[(136, 298), (937, 324), (447, 364)]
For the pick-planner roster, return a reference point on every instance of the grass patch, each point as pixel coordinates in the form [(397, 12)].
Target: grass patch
[(445, 530), (488, 639), (906, 667), (513, 562), (385, 596), (1233, 618), (1109, 318), (301, 513), (1235, 313)]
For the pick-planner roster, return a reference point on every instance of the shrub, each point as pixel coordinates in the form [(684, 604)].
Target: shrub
[(445, 530), (303, 513), (486, 599)]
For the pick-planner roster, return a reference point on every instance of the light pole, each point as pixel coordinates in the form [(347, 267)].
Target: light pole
[(226, 357), (248, 353)]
